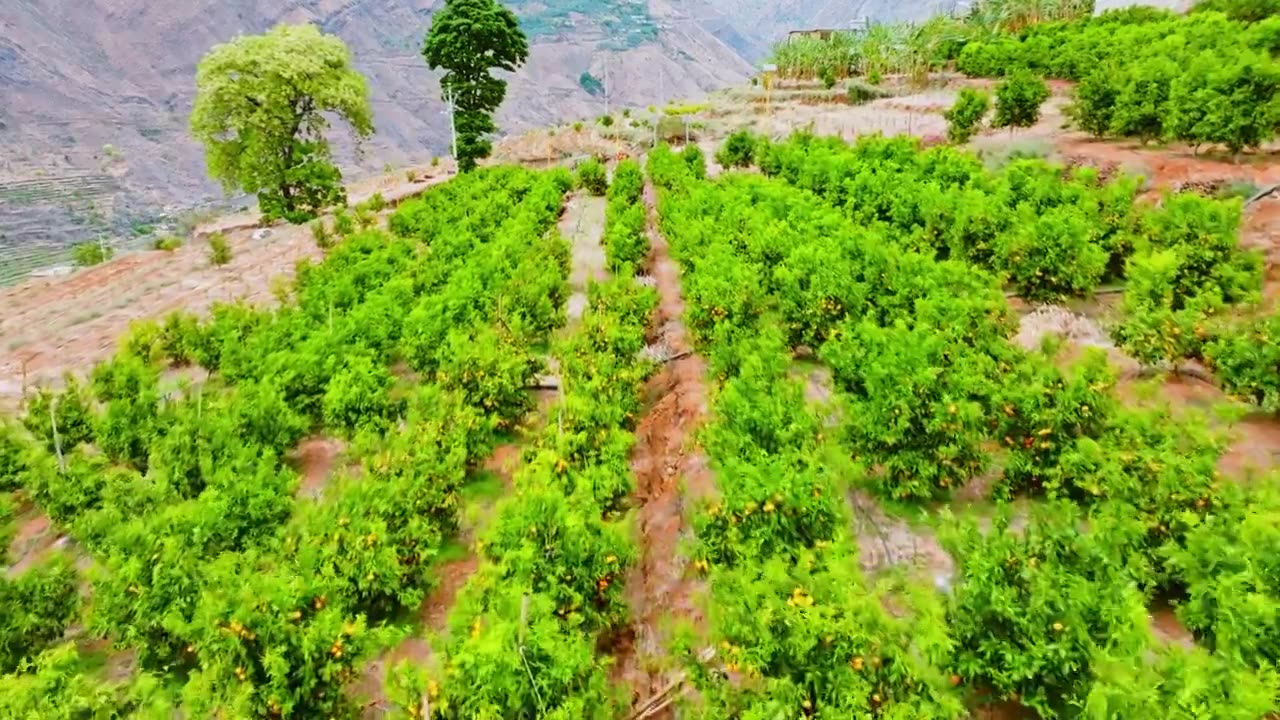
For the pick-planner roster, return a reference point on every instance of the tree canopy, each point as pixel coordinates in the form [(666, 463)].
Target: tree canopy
[(260, 111), (469, 39)]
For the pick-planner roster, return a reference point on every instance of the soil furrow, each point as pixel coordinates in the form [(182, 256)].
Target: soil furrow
[(669, 473)]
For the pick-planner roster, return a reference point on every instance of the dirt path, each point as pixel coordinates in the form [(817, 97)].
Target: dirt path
[(582, 224), (669, 473)]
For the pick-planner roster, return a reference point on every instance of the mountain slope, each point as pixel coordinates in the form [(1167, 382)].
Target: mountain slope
[(97, 92)]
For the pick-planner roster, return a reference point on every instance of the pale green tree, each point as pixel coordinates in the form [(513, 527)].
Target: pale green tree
[(261, 111)]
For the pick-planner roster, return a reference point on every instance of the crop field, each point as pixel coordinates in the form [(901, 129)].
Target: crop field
[(823, 426)]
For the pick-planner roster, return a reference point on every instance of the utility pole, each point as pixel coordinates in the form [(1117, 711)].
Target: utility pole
[(453, 128), (606, 84)]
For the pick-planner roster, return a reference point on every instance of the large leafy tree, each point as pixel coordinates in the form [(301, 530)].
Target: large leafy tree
[(469, 39), (262, 108)]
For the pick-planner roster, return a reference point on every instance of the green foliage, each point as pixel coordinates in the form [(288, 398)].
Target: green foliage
[(1209, 99), (1140, 105), (695, 160), (1018, 100), (344, 224), (1189, 268), (1182, 684), (1046, 230), (469, 39), (492, 369), (625, 240), (359, 397), (36, 607), (93, 252), (828, 77), (555, 672), (375, 203), (809, 636), (14, 449), (1229, 565), (322, 235), (1250, 11), (1094, 101), (964, 118), (261, 110), (1246, 360), (737, 150), (257, 605), (168, 243), (1203, 78), (219, 250), (592, 176), (591, 84), (57, 687), (60, 420), (1051, 254), (915, 407), (1045, 415), (1035, 607), (546, 542), (270, 644)]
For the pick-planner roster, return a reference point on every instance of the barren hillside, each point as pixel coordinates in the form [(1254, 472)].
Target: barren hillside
[(97, 92)]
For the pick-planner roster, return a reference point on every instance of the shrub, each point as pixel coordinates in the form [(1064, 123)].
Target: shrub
[(1227, 100), (592, 177), (1018, 99), (1050, 254), (738, 150), (1094, 102), (828, 77), (1140, 106), (673, 129), (320, 233), (219, 249), (168, 243), (605, 121), (94, 252), (695, 160), (36, 607), (1035, 608), (1250, 11), (913, 405), (1246, 360), (359, 396), (343, 223), (965, 116)]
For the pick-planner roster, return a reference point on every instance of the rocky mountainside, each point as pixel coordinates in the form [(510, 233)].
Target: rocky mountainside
[(97, 92)]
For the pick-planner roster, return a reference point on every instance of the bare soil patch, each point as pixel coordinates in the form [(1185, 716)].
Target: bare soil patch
[(1166, 627), (314, 460), (582, 224), (885, 542), (36, 536), (669, 475)]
